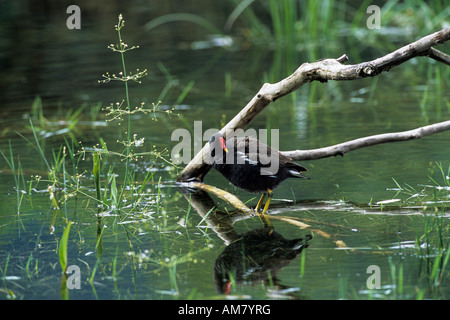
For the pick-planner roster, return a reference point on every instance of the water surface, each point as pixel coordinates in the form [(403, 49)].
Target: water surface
[(166, 248)]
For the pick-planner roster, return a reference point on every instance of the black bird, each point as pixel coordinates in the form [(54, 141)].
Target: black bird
[(252, 165), (255, 256)]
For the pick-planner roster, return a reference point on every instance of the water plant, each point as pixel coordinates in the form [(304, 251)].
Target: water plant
[(17, 175), (123, 111), (63, 261), (432, 242)]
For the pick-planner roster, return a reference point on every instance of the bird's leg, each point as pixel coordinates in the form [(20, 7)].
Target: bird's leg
[(258, 206), (264, 215), (269, 193), (263, 218)]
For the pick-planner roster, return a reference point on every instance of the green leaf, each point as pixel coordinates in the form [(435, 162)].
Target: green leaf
[(63, 247), (96, 172)]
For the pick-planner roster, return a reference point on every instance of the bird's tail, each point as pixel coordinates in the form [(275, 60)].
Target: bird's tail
[(298, 174)]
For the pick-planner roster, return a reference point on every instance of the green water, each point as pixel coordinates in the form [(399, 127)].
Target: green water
[(165, 248)]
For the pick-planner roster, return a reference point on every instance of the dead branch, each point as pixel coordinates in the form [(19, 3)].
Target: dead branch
[(224, 195), (323, 70), (342, 148), (438, 56)]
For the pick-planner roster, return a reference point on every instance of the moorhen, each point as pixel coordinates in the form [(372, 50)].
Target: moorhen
[(256, 255), (252, 166)]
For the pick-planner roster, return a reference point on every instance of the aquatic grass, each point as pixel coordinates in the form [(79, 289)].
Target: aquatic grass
[(3, 270), (60, 123), (439, 266), (397, 277), (173, 279), (434, 195), (64, 290), (96, 173), (302, 264), (241, 7), (63, 247), (17, 174), (291, 22), (28, 266), (113, 190), (205, 217), (59, 180), (398, 20), (183, 17), (316, 27), (91, 280), (171, 82), (342, 286), (37, 145), (433, 248), (37, 112), (432, 241)]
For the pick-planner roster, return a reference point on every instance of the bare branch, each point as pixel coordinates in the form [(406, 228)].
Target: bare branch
[(323, 70), (439, 56), (224, 195), (342, 148)]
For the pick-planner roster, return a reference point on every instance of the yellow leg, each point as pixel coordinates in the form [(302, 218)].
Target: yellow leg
[(263, 216), (270, 193), (258, 206)]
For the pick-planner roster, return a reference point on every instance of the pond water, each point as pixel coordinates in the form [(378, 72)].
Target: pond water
[(378, 216)]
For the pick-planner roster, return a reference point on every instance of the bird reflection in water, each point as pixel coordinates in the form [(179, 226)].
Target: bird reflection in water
[(255, 256)]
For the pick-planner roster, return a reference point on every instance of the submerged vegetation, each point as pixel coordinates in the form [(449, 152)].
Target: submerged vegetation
[(110, 207)]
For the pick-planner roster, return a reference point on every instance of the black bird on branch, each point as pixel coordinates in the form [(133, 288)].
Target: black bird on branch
[(252, 166)]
